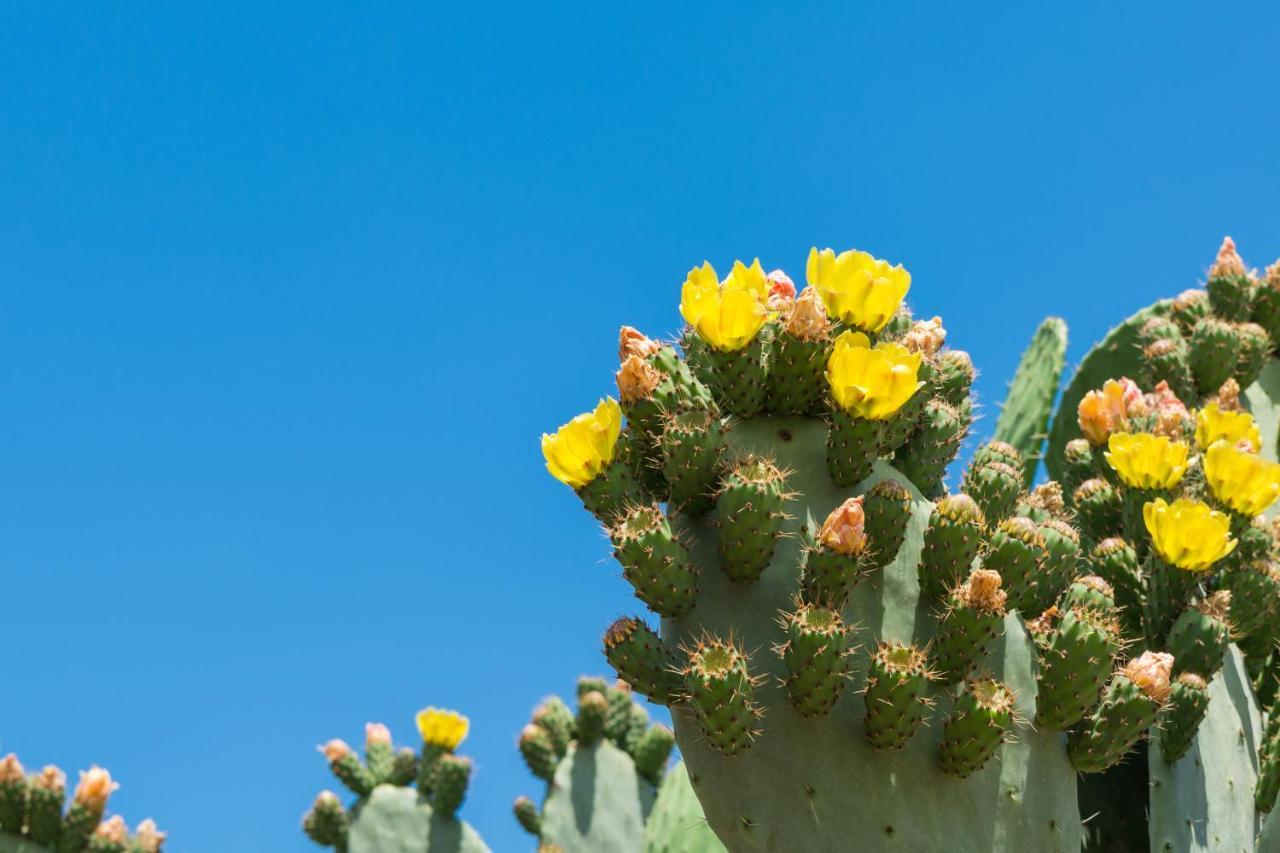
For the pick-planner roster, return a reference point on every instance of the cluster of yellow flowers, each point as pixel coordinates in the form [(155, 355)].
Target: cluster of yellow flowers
[(442, 728)]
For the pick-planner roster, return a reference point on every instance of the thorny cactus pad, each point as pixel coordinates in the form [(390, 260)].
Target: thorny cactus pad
[(804, 680)]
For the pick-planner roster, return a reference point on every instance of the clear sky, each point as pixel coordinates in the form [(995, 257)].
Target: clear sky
[(288, 292)]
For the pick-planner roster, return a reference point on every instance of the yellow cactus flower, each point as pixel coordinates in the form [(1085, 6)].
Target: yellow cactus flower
[(1243, 481), (727, 315), (871, 382), (858, 289), (443, 728), (1188, 534), (1214, 423), (583, 447), (1146, 461)]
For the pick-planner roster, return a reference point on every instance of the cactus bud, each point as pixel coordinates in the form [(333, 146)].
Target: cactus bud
[(538, 751), (973, 618), (782, 292), (637, 379), (749, 514), (639, 657), (526, 812), (1150, 672), (807, 318), (925, 337), (1189, 306), (377, 751), (149, 839), (843, 531), (633, 342), (348, 768), (895, 696), (453, 774), (326, 822), (720, 691), (976, 726), (113, 831), (1188, 703), (951, 541), (94, 787), (654, 562)]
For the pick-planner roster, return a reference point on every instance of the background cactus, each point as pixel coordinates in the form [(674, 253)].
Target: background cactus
[(406, 801), (1024, 417), (1221, 381), (35, 817), (608, 786), (800, 678)]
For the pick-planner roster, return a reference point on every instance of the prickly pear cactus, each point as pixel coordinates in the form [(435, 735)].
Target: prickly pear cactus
[(603, 766), (1170, 468), (677, 823), (406, 801), (848, 651), (1024, 416), (33, 818)]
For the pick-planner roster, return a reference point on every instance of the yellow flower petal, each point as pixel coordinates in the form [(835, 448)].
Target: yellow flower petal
[(1146, 461), (582, 448), (871, 382), (726, 316), (1188, 534), (1213, 424), (1243, 481)]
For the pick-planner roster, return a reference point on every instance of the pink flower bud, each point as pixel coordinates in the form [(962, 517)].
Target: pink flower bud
[(113, 829), (11, 769), (94, 788), (782, 291), (925, 337), (335, 750), (376, 733)]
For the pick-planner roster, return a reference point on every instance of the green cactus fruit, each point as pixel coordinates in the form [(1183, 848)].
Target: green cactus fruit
[(593, 708), (641, 660), (1199, 637), (452, 777), (1024, 416), (1079, 463), (1115, 561), (953, 376), (1076, 657), (349, 769), (1181, 718), (1091, 592), (995, 486), (797, 373), (1097, 506), (1255, 598), (327, 823), (1058, 566), (617, 488), (527, 815), (1169, 361), (974, 617), (404, 767), (1130, 704), (618, 716), (816, 655), (951, 542), (677, 824), (13, 800), (397, 820), (834, 562), (899, 427), (1255, 347), (853, 445), (932, 447), (539, 751), (750, 517), (654, 384), (1266, 303), (896, 695), (692, 444), (1215, 349), (379, 755), (1014, 550), (979, 721), (557, 720), (1231, 295), (652, 751), (998, 451), (887, 509), (45, 797), (638, 727), (654, 562), (1189, 307), (739, 381), (719, 689), (1169, 588)]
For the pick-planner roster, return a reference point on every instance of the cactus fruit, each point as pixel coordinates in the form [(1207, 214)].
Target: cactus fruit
[(1130, 704), (770, 764), (1199, 637), (1188, 702), (33, 818), (1076, 656), (1024, 417), (979, 722), (389, 814), (607, 777), (1015, 551), (654, 562), (973, 619)]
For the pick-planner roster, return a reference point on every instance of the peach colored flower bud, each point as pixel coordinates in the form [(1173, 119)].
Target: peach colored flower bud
[(1150, 673), (983, 590), (377, 733), (843, 531), (1107, 410), (149, 839), (634, 342), (51, 778), (925, 337), (113, 829), (1229, 396), (335, 750), (782, 291), (1171, 415), (637, 379), (808, 318), (94, 788), (11, 769), (1228, 262)]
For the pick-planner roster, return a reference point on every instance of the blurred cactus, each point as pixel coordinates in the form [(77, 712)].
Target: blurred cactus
[(390, 813), (35, 817)]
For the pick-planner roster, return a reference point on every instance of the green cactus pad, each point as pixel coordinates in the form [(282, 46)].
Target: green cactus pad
[(797, 375), (654, 562), (1181, 718), (978, 723), (1204, 801), (1075, 661), (951, 542), (749, 515), (396, 820), (596, 802), (897, 694), (1024, 415), (691, 444), (676, 824), (827, 785), (1198, 639), (738, 378)]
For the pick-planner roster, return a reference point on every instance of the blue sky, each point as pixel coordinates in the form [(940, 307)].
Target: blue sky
[(287, 295)]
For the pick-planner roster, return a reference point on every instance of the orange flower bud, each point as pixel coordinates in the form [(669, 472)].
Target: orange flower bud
[(637, 379), (634, 342), (808, 317), (94, 787), (1228, 262), (377, 733), (335, 750), (843, 531)]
